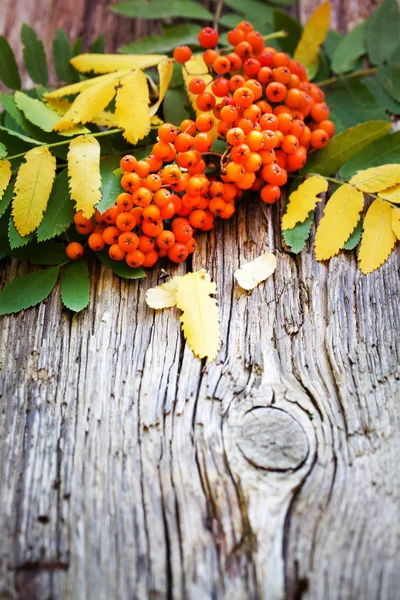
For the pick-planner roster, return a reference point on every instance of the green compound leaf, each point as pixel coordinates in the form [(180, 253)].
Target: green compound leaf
[(382, 31), (283, 20), (384, 151), (34, 55), (349, 49), (47, 253), (5, 201), (8, 103), (176, 106), (355, 237), (110, 184), (344, 146), (8, 66), (297, 237), (60, 210), (3, 151), (75, 286), (255, 11), (160, 9), (62, 54), (383, 98), (353, 103), (389, 78), (171, 36), (120, 268), (331, 43), (28, 290), (98, 46), (15, 239)]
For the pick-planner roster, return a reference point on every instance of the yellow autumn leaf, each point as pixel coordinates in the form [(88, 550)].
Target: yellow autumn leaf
[(165, 70), (84, 173), (164, 295), (132, 107), (196, 67), (396, 222), (5, 175), (341, 215), (376, 179), (303, 200), (105, 118), (392, 194), (81, 86), (256, 271), (156, 121), (32, 189), (88, 104), (378, 238), (200, 318), (107, 63), (312, 37)]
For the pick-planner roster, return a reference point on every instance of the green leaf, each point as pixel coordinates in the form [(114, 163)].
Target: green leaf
[(2, 255), (344, 146), (16, 240), (160, 9), (36, 112), (110, 185), (8, 103), (62, 54), (60, 210), (3, 151), (389, 78), (77, 47), (349, 49), (355, 237), (353, 103), (332, 41), (120, 268), (171, 36), (283, 20), (75, 286), (254, 11), (382, 97), (176, 106), (28, 290), (384, 151), (5, 201), (8, 67), (230, 20), (383, 31), (98, 46), (296, 238), (34, 55), (324, 69), (284, 2), (47, 253)]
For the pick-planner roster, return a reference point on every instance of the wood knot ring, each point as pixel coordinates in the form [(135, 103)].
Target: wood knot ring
[(270, 438)]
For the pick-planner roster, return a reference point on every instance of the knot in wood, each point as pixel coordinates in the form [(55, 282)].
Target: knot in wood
[(270, 438)]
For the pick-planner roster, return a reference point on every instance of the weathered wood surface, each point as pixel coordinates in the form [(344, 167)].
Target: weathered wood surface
[(129, 469)]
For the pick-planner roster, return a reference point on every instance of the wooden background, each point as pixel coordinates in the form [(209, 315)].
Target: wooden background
[(131, 470)]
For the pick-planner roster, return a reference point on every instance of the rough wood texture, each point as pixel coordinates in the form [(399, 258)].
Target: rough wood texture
[(130, 469)]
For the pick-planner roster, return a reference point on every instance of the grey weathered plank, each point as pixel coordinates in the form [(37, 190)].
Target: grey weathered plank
[(130, 469)]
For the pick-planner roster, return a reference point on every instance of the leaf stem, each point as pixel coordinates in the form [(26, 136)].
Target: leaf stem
[(67, 141), (363, 73)]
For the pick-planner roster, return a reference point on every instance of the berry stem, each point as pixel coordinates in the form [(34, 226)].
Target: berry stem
[(363, 73), (276, 34)]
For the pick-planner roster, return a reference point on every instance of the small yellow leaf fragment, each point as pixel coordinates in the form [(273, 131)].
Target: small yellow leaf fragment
[(396, 222), (107, 63), (341, 215), (376, 179), (84, 173), (303, 200), (392, 194), (313, 36), (256, 271), (5, 175), (132, 107), (164, 295), (200, 318), (165, 70), (33, 185), (378, 237)]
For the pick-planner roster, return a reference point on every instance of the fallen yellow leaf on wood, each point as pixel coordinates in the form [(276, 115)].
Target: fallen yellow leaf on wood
[(378, 237), (256, 271), (303, 200), (396, 222), (164, 295)]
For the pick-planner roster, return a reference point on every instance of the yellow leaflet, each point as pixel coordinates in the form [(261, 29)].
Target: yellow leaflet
[(88, 104), (196, 67), (84, 173), (313, 36), (303, 200), (392, 194), (376, 179), (132, 107), (156, 121), (165, 70), (81, 86), (200, 319), (378, 238), (396, 222), (256, 271), (105, 118), (163, 296), (341, 215), (32, 189), (5, 175), (107, 63)]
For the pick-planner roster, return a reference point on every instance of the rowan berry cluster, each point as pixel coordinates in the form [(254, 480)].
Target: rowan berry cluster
[(263, 106)]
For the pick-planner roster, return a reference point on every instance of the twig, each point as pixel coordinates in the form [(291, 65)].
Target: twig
[(217, 15), (363, 73)]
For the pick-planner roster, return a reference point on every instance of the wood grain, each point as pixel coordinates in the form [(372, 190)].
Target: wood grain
[(130, 469)]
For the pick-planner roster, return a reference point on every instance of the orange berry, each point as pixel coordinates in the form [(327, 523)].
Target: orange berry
[(153, 182), (285, 122), (96, 241), (115, 252), (208, 37), (216, 205), (137, 212), (151, 213), (191, 245), (256, 41), (142, 197), (165, 239), (143, 168), (146, 244), (327, 126), (197, 218), (150, 259), (111, 235), (152, 228), (229, 113), (74, 250), (125, 221), (255, 140), (270, 194), (153, 163), (130, 182), (161, 150), (203, 142), (178, 253), (135, 259), (205, 101), (274, 174), (243, 50), (182, 54), (184, 142), (235, 36), (320, 111), (297, 159), (124, 201), (204, 122), (289, 144), (162, 197), (127, 163), (319, 138), (227, 212), (168, 211), (235, 171), (128, 241), (253, 162), (243, 97), (167, 132), (110, 216), (276, 91), (209, 56), (221, 65), (235, 136)]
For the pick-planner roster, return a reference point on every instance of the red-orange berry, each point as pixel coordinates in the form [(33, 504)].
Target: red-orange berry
[(128, 241), (74, 250), (270, 194), (208, 37), (182, 54), (178, 253), (125, 221), (115, 252), (128, 163), (96, 242), (135, 259)]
